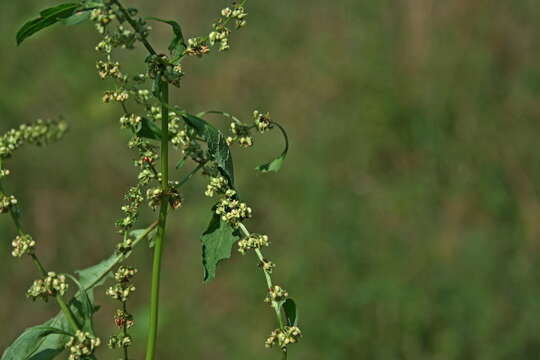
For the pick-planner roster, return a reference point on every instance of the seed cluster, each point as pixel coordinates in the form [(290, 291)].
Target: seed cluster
[(82, 345), (51, 285)]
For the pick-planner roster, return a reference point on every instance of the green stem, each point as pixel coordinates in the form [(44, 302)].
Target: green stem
[(268, 278), (67, 312), (158, 247)]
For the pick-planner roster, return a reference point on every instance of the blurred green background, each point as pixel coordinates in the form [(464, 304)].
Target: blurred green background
[(405, 222)]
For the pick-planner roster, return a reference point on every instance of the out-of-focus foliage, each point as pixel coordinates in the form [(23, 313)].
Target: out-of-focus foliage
[(406, 215)]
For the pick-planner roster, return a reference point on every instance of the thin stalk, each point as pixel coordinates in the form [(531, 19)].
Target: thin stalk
[(135, 27), (65, 309), (269, 284), (158, 247)]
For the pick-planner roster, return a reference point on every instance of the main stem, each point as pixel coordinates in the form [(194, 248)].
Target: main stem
[(158, 247)]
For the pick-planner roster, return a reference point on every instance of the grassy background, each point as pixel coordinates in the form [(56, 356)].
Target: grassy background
[(405, 222)]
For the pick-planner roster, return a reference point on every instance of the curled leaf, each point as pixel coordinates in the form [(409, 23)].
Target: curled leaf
[(276, 164)]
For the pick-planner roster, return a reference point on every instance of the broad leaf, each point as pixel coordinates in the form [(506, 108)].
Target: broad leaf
[(217, 242), (217, 146), (178, 44), (38, 342), (97, 274), (291, 314), (47, 18), (277, 163)]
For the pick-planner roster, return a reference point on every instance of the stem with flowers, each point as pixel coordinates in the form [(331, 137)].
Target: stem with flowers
[(157, 127)]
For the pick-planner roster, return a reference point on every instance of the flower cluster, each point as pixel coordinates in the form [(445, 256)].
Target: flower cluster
[(283, 337), (217, 185), (82, 345), (262, 121), (252, 242), (231, 209), (119, 95), (38, 133), (122, 318), (109, 69), (23, 244), (276, 294), (197, 47), (241, 134), (120, 292), (220, 33), (51, 285), (122, 288), (131, 209), (7, 202), (125, 246)]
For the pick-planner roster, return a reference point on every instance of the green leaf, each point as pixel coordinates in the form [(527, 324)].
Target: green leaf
[(276, 164), (38, 342), (180, 164), (97, 274), (84, 304), (77, 18), (178, 44), (217, 242), (149, 130), (291, 314), (47, 18), (217, 146)]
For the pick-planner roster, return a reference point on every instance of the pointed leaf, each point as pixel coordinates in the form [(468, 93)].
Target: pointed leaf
[(47, 18), (217, 242)]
